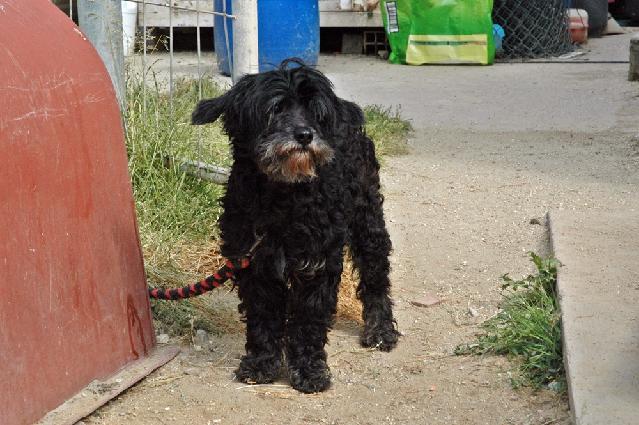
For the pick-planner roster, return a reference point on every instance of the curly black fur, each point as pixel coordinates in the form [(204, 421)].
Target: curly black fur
[(304, 176)]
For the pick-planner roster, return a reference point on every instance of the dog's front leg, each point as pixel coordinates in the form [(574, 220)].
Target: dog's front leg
[(312, 304), (263, 306), (371, 247)]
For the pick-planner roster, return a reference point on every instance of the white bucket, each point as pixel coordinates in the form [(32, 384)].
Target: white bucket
[(129, 24), (346, 4)]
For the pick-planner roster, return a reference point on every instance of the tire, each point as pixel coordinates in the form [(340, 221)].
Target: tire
[(597, 15), (625, 9)]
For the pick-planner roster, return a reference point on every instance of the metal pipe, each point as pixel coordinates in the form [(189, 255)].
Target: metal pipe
[(101, 22)]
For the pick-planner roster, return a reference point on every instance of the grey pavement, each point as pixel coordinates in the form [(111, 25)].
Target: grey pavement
[(578, 96)]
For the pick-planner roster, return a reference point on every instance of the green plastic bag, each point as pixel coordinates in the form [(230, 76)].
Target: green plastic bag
[(439, 31)]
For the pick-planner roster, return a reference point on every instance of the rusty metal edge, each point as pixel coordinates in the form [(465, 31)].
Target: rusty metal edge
[(98, 392)]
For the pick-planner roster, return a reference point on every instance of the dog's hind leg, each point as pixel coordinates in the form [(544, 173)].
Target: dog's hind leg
[(312, 305), (370, 248), (264, 309)]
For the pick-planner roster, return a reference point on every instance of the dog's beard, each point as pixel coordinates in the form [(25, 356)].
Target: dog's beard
[(290, 162)]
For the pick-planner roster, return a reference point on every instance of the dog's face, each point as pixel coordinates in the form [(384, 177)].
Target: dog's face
[(288, 121)]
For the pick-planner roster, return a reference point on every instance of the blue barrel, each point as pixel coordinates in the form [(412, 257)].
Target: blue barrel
[(219, 36), (286, 28)]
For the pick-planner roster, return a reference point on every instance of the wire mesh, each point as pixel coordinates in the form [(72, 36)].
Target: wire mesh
[(534, 28)]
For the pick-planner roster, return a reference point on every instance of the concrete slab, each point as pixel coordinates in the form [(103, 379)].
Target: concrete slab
[(609, 48), (579, 97), (598, 290)]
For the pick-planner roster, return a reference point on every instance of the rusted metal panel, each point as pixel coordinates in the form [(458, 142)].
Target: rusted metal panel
[(73, 304)]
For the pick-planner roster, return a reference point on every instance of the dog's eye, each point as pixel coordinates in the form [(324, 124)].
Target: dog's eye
[(277, 108)]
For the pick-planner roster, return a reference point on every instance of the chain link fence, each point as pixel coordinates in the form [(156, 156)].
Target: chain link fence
[(534, 28)]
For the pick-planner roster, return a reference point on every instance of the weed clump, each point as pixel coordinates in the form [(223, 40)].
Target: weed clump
[(528, 327)]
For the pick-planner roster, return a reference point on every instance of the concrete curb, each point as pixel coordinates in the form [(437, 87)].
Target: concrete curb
[(598, 290)]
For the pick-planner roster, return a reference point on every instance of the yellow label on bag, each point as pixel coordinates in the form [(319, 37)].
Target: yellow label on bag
[(446, 49)]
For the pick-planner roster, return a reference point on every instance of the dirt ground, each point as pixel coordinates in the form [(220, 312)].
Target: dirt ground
[(459, 209)]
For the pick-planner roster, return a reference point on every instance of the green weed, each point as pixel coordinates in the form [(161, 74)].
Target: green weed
[(528, 327), (387, 129)]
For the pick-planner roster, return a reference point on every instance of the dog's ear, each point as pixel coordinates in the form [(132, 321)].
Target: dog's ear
[(352, 114), (208, 110)]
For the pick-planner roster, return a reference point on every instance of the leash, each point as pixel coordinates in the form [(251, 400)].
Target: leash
[(226, 272)]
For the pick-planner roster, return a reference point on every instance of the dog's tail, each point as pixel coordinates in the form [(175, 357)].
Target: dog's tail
[(226, 272)]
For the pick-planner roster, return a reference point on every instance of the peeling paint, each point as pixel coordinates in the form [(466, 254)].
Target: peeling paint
[(80, 33)]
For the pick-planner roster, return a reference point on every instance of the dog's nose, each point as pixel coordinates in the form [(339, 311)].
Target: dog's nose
[(304, 135)]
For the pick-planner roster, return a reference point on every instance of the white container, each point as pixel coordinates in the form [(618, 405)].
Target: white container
[(345, 4), (129, 24), (578, 25)]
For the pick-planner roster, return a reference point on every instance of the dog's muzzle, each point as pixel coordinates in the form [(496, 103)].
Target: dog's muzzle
[(294, 161)]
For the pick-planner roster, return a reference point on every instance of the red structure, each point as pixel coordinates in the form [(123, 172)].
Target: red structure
[(73, 300)]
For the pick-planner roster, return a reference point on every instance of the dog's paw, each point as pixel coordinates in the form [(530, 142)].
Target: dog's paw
[(310, 378), (383, 337), (258, 370)]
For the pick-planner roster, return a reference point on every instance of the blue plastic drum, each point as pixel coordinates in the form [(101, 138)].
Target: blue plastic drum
[(220, 38), (286, 28)]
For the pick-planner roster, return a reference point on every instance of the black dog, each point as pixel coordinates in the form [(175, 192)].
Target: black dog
[(305, 179)]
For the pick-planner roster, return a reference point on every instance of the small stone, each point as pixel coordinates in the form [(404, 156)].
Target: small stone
[(427, 300), (192, 371), (473, 312), (555, 386), (432, 388), (162, 339), (536, 221)]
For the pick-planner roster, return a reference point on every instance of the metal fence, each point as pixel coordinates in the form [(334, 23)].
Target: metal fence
[(144, 68), (534, 28), (145, 35)]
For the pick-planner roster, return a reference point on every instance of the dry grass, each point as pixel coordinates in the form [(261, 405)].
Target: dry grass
[(348, 306)]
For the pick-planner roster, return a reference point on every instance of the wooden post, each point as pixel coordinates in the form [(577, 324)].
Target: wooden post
[(101, 22), (633, 73)]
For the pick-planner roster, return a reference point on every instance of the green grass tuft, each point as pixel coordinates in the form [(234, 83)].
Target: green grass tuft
[(172, 206), (177, 213), (387, 129), (528, 327)]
